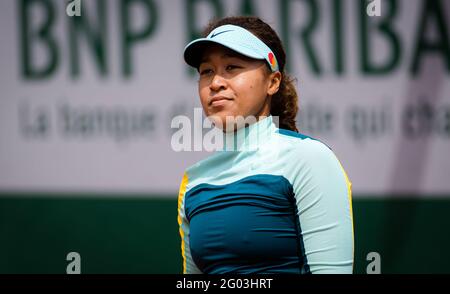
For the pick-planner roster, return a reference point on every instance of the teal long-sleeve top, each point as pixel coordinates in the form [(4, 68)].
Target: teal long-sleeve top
[(278, 202)]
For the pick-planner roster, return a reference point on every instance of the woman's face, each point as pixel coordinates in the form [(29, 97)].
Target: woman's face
[(231, 84)]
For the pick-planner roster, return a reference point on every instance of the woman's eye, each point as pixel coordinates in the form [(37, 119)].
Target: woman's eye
[(232, 66), (205, 72)]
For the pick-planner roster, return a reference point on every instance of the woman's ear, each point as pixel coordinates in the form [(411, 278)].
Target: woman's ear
[(274, 83)]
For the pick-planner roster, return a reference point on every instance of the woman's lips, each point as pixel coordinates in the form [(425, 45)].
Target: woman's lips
[(217, 101)]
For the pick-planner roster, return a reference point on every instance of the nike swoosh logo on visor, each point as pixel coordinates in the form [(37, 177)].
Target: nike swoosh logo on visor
[(216, 34)]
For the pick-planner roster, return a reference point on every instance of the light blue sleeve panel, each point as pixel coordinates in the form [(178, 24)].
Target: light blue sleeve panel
[(189, 266), (323, 198)]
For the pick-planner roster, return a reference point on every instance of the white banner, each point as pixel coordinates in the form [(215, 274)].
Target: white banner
[(86, 101)]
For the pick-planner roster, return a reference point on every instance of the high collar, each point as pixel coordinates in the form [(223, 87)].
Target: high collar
[(250, 137)]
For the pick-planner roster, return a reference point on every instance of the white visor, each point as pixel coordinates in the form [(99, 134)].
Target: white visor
[(235, 38)]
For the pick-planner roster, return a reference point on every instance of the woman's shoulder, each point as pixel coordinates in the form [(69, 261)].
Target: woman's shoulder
[(299, 141), (307, 155), (300, 148)]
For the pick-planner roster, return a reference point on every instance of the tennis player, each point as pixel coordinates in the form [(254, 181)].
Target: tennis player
[(283, 203)]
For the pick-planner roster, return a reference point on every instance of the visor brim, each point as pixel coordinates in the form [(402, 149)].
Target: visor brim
[(193, 51)]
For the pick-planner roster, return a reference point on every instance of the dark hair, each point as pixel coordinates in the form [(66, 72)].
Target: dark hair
[(284, 102)]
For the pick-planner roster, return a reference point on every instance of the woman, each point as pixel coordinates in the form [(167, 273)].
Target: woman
[(282, 204)]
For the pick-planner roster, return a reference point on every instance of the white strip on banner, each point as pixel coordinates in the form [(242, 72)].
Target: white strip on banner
[(87, 101)]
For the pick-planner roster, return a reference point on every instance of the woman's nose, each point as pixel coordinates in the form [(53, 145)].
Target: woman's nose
[(218, 83)]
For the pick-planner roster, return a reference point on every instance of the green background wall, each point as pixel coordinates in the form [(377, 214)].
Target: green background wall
[(126, 234)]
